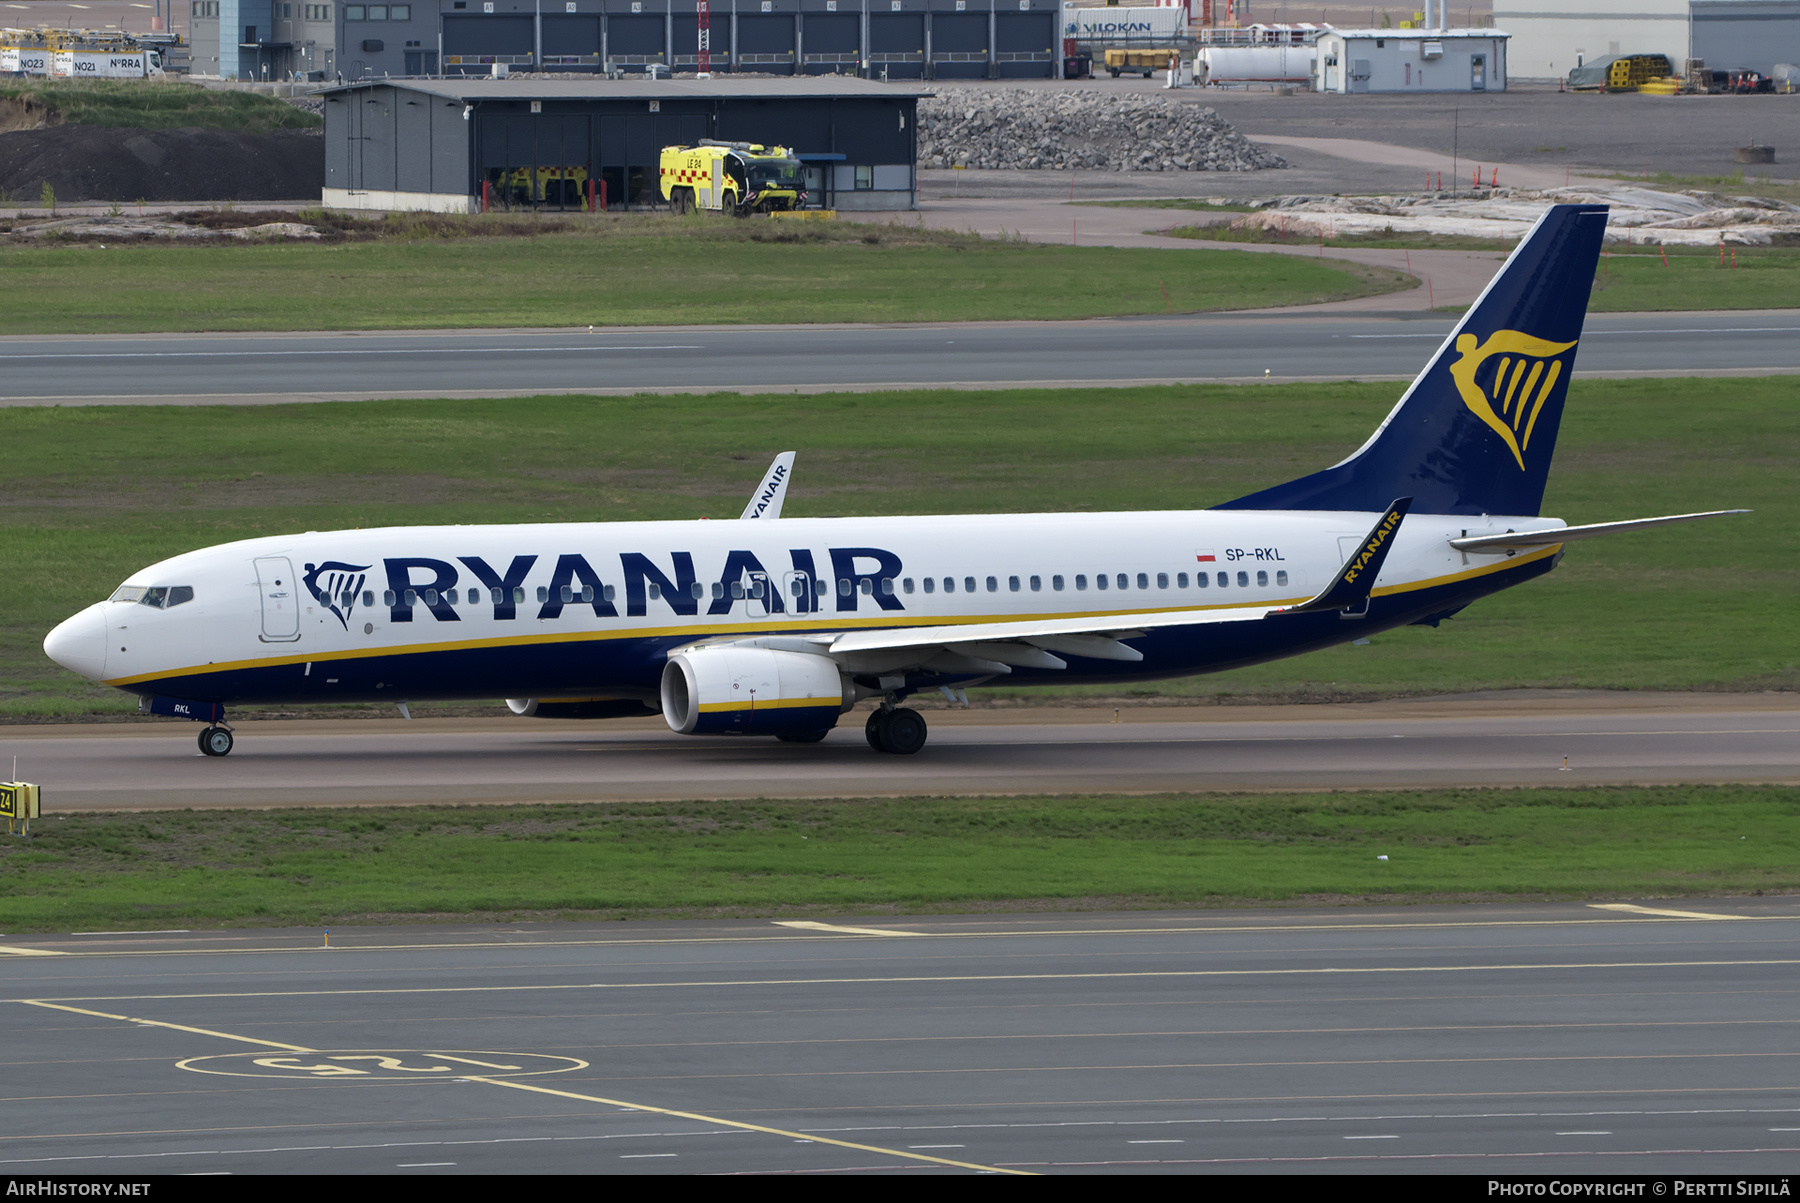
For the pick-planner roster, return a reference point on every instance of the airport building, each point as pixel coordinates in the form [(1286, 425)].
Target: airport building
[(1551, 40), (877, 39), (454, 145), (1410, 60)]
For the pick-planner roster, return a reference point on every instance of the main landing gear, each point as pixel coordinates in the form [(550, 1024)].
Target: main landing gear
[(896, 730), (216, 741)]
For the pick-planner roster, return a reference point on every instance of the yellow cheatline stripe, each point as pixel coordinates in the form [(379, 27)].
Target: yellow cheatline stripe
[(809, 925), (1650, 910), (783, 624), (835, 703), (9, 950), (586, 1098), (929, 979), (732, 1123)]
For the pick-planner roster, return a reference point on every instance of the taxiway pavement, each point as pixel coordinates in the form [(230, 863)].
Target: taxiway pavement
[(1499, 740), (1525, 1039), (268, 368)]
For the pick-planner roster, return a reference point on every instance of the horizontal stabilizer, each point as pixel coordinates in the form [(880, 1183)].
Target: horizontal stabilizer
[(1350, 589), (1568, 534)]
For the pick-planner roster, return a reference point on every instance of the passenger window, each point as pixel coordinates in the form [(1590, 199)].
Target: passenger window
[(653, 590), (887, 586), (1101, 580), (864, 586), (543, 594), (756, 588), (699, 591), (1125, 581), (949, 584), (1144, 581), (1181, 580), (969, 584), (1056, 583), (609, 592), (451, 597), (906, 583), (567, 595), (1037, 584), (1224, 579), (844, 587), (1162, 580), (1243, 580), (1262, 579), (930, 584), (737, 590), (1202, 580), (368, 599), (1281, 577), (412, 597), (799, 586), (387, 598), (718, 590), (518, 595), (1080, 580), (993, 585)]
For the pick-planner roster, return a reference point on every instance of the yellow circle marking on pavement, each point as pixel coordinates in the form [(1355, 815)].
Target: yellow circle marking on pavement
[(391, 1065)]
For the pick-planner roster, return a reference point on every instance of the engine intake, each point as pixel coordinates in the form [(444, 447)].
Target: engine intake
[(752, 691)]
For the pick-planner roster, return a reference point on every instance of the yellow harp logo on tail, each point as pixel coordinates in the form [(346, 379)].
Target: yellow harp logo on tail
[(1509, 396)]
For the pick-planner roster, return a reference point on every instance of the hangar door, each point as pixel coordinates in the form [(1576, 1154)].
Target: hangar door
[(897, 44), (959, 45), (631, 153), (472, 45), (1024, 45), (531, 160), (833, 42)]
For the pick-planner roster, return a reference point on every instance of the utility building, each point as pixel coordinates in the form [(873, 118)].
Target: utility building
[(1410, 60), (451, 146), (1551, 40)]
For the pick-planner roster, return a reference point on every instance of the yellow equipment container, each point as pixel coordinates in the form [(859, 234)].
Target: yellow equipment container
[(18, 806), (1146, 62)]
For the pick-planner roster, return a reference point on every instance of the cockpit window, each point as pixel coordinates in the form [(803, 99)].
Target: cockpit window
[(159, 597)]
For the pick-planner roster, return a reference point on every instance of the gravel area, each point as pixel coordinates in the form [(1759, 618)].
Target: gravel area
[(1035, 128)]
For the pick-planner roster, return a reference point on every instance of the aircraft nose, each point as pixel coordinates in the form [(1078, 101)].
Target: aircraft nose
[(79, 643)]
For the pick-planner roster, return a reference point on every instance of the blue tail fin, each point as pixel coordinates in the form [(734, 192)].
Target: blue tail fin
[(1474, 433)]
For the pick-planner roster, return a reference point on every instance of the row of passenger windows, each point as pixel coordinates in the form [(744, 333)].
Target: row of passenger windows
[(930, 584)]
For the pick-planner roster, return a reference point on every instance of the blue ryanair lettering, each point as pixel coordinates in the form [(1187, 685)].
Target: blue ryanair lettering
[(569, 569), (504, 609), (737, 564), (887, 566), (400, 579), (679, 593)]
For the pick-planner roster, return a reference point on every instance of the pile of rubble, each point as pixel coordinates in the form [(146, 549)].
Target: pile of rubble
[(1094, 131), (98, 227), (1638, 216)]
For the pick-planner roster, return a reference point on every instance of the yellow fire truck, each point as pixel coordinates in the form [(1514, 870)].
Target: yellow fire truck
[(739, 178)]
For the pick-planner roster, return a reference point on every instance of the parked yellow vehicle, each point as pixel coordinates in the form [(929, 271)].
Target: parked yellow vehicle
[(1141, 61), (739, 178)]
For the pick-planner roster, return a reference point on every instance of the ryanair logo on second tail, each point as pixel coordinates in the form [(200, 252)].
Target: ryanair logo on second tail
[(1506, 380)]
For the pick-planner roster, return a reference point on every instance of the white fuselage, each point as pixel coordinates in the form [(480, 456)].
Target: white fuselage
[(480, 612)]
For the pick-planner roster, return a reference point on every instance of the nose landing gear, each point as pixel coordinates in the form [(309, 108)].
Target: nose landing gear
[(216, 741)]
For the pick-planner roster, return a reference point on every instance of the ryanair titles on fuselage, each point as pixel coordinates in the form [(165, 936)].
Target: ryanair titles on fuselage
[(424, 582)]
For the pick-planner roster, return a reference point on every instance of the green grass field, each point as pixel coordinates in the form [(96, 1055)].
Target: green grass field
[(150, 104), (636, 270), (92, 494), (908, 855)]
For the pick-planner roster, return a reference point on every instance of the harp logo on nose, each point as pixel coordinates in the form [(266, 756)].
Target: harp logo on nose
[(1506, 380)]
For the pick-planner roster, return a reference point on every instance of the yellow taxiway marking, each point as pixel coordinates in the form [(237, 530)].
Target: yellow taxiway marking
[(809, 925), (1651, 910), (566, 1094), (926, 979), (998, 933), (9, 950)]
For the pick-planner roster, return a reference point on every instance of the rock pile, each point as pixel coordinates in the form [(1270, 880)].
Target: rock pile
[(1095, 131)]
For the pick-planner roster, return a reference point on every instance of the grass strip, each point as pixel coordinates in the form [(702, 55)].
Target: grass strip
[(149, 104), (625, 270), (901, 856), (92, 494)]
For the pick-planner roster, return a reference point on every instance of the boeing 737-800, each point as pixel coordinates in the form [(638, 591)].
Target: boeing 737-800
[(777, 626)]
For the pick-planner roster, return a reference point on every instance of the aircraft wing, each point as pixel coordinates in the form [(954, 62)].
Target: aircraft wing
[(1568, 534), (766, 501), (1030, 643)]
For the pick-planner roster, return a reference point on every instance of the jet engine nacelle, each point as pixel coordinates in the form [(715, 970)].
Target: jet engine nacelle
[(752, 691)]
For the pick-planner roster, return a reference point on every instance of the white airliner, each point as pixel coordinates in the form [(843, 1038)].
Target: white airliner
[(778, 626)]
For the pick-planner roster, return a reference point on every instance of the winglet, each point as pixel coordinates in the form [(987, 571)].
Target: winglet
[(766, 501), (1350, 589)]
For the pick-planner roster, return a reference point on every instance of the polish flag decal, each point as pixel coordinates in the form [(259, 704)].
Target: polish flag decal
[(1206, 557)]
